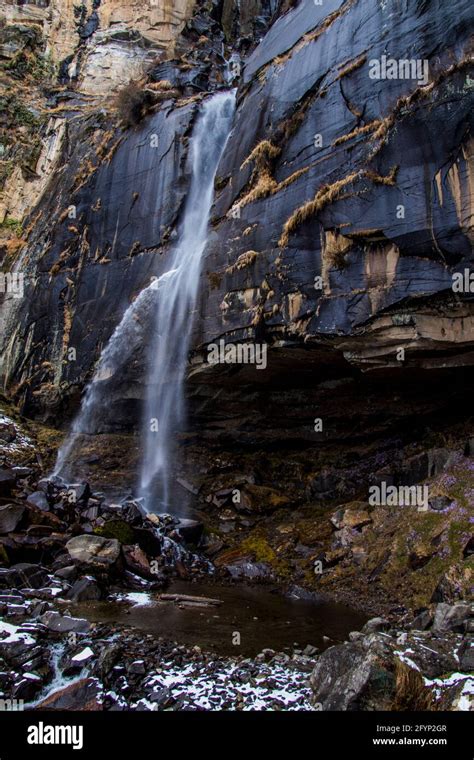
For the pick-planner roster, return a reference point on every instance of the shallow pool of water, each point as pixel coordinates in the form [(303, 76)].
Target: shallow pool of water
[(261, 619)]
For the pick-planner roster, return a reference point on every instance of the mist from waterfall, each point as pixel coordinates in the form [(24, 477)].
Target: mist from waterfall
[(171, 300), (164, 407)]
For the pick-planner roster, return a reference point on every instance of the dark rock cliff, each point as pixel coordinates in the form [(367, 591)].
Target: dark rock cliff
[(343, 205)]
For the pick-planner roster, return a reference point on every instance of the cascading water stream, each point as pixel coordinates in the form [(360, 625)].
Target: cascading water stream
[(172, 299), (177, 301)]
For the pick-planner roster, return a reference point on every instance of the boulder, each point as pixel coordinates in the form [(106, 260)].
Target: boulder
[(349, 677), (94, 550), (190, 530), (23, 575), (84, 589), (376, 624), (7, 481), (68, 573), (422, 621), (58, 623), (78, 661), (38, 499), (81, 695), (137, 667), (451, 617), (10, 517), (434, 656), (17, 647), (137, 562), (350, 518), (28, 687)]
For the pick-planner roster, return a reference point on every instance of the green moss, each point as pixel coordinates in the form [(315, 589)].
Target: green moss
[(11, 225), (260, 548), (6, 169), (457, 529), (118, 529), (258, 545)]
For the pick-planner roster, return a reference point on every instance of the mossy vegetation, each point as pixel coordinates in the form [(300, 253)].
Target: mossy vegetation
[(11, 225), (118, 529)]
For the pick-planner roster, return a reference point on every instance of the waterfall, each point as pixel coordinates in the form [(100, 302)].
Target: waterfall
[(114, 356), (172, 299), (177, 300)]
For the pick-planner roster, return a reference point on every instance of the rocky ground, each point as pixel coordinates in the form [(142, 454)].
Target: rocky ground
[(64, 543)]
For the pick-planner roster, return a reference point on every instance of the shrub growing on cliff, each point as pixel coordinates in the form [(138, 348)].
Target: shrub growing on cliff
[(132, 104)]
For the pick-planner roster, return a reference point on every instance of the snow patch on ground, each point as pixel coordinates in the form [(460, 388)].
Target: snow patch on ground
[(137, 598), (465, 700), (20, 442), (275, 688)]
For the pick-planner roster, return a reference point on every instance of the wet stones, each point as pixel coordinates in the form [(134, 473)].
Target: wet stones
[(10, 517), (38, 499), (94, 550), (23, 575), (7, 481), (137, 562), (81, 695), (58, 623), (190, 530), (84, 589), (27, 687)]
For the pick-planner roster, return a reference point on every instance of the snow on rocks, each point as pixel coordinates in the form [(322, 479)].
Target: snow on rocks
[(227, 685)]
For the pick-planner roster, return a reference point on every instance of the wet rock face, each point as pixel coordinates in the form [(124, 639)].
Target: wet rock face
[(104, 240), (331, 173), (342, 206)]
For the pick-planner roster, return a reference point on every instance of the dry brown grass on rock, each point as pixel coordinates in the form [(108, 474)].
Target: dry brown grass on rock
[(262, 152), (323, 197), (245, 260), (163, 84), (357, 131), (132, 104), (420, 93), (411, 694), (356, 64), (264, 186), (326, 195)]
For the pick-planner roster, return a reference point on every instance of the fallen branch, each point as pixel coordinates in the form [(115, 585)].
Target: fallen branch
[(201, 600)]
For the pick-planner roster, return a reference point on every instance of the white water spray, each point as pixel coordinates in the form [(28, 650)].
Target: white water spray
[(172, 298)]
